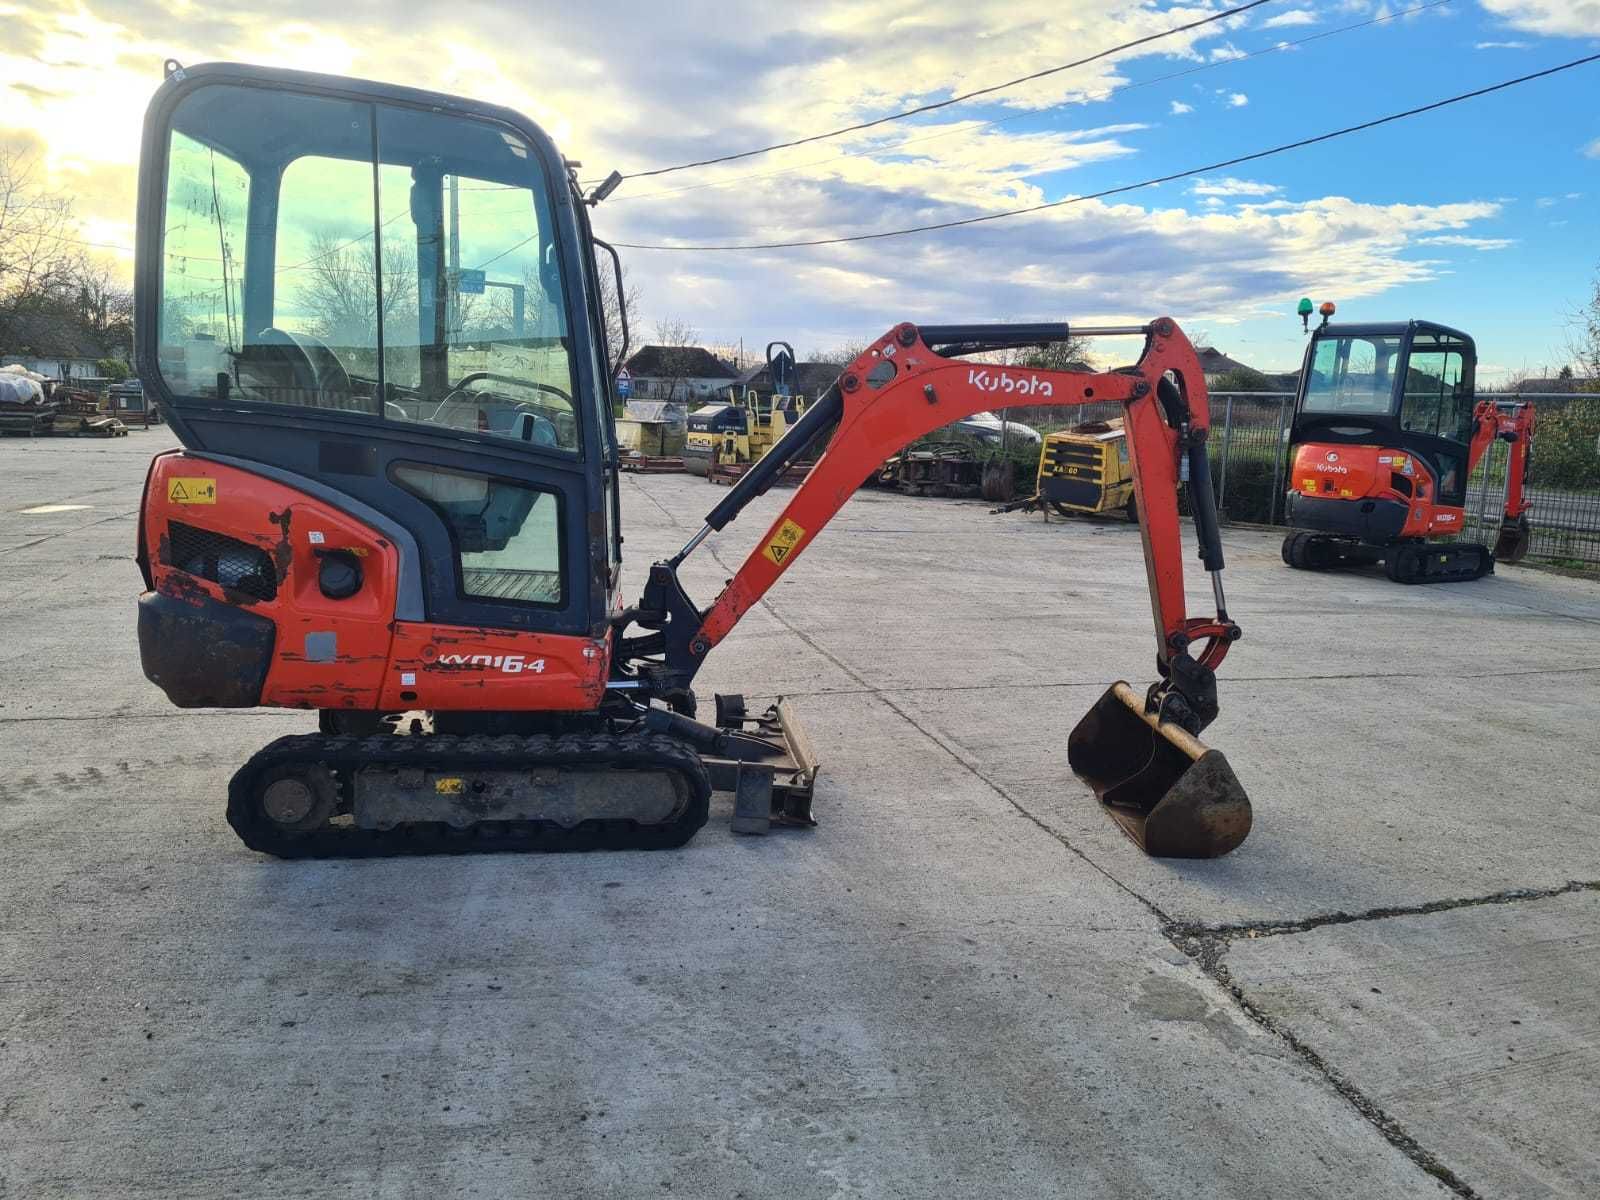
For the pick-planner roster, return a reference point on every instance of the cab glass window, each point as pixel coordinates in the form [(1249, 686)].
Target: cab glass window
[(378, 261), (507, 536), (1352, 375), (1437, 399)]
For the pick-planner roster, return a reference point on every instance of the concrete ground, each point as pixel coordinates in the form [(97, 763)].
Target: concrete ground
[(966, 982)]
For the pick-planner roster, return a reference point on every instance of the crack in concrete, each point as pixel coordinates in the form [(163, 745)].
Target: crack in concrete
[(1264, 929), (1207, 954), (1205, 949)]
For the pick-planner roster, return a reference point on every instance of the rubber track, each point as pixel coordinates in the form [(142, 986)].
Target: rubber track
[(442, 752), (1483, 564)]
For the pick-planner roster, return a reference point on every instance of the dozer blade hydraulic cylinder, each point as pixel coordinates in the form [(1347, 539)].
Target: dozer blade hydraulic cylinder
[(1171, 794)]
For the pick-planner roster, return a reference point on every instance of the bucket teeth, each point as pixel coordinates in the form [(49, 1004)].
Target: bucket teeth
[(1165, 789)]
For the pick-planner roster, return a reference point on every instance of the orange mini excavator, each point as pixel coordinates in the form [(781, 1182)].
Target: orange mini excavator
[(372, 316), (1387, 429)]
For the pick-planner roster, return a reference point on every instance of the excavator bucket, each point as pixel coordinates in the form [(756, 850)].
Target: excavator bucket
[(1174, 797), (1512, 544)]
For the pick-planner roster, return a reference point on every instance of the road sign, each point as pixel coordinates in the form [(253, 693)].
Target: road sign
[(471, 283), (624, 384)]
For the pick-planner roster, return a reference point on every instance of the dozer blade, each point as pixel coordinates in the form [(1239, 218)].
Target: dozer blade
[(1174, 797)]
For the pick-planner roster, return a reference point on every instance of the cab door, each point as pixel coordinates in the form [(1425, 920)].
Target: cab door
[(1436, 403), (383, 296)]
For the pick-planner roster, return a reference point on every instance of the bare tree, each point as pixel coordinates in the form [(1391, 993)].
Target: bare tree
[(677, 339), (612, 306), (340, 290), (839, 355), (105, 306), (1584, 338), (38, 261)]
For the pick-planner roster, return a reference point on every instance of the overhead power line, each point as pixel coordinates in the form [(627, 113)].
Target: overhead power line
[(1104, 94), (959, 99), (1128, 187)]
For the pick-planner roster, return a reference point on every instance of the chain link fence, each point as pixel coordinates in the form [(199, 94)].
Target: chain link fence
[(1250, 457)]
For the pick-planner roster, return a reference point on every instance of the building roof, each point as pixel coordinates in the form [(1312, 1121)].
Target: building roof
[(678, 362), (47, 335), (1215, 362), (811, 378)]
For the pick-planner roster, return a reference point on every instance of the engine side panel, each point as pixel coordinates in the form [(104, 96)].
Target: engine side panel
[(1326, 476), (218, 539), (449, 667)]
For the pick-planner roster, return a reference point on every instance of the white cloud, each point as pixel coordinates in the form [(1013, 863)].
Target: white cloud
[(1179, 108), (1227, 52), (1469, 243), (1500, 45), (1232, 187), (1592, 150), (1295, 16), (1238, 100), (1552, 18), (758, 75)]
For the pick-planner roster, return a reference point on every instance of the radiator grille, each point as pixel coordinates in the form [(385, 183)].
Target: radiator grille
[(221, 559)]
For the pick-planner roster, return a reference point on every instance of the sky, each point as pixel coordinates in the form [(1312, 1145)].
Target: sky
[(1484, 215)]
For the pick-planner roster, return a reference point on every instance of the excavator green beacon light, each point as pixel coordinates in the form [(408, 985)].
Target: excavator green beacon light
[(1304, 309)]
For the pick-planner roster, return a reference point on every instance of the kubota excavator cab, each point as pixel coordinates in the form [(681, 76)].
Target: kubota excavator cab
[(1387, 429)]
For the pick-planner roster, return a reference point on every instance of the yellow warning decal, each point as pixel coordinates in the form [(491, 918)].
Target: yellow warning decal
[(1309, 484), (449, 787), (192, 491), (783, 542)]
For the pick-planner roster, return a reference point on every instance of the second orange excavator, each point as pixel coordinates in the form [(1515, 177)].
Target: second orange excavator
[(1387, 429)]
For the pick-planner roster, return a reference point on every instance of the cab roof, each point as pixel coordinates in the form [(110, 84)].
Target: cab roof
[(1392, 329)]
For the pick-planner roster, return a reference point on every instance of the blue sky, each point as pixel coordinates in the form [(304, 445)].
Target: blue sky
[(1485, 215)]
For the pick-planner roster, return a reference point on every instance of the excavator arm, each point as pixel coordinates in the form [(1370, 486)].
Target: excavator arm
[(1139, 753), (1512, 422)]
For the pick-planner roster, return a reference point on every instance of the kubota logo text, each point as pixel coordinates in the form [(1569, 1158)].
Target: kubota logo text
[(511, 664), (998, 381)]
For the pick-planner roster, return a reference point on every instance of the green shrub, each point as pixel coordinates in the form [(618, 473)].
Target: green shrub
[(1566, 446)]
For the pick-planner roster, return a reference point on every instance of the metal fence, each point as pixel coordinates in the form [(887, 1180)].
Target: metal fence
[(1250, 458)]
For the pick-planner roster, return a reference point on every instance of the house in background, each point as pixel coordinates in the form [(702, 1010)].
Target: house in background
[(811, 378), (1225, 373), (51, 345), (685, 374)]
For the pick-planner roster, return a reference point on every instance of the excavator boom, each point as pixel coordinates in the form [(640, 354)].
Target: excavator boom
[(1136, 751)]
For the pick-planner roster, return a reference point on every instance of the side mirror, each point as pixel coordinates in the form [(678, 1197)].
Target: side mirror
[(622, 303)]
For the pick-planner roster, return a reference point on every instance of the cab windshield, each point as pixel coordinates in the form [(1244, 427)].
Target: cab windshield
[(1352, 375), (375, 261)]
